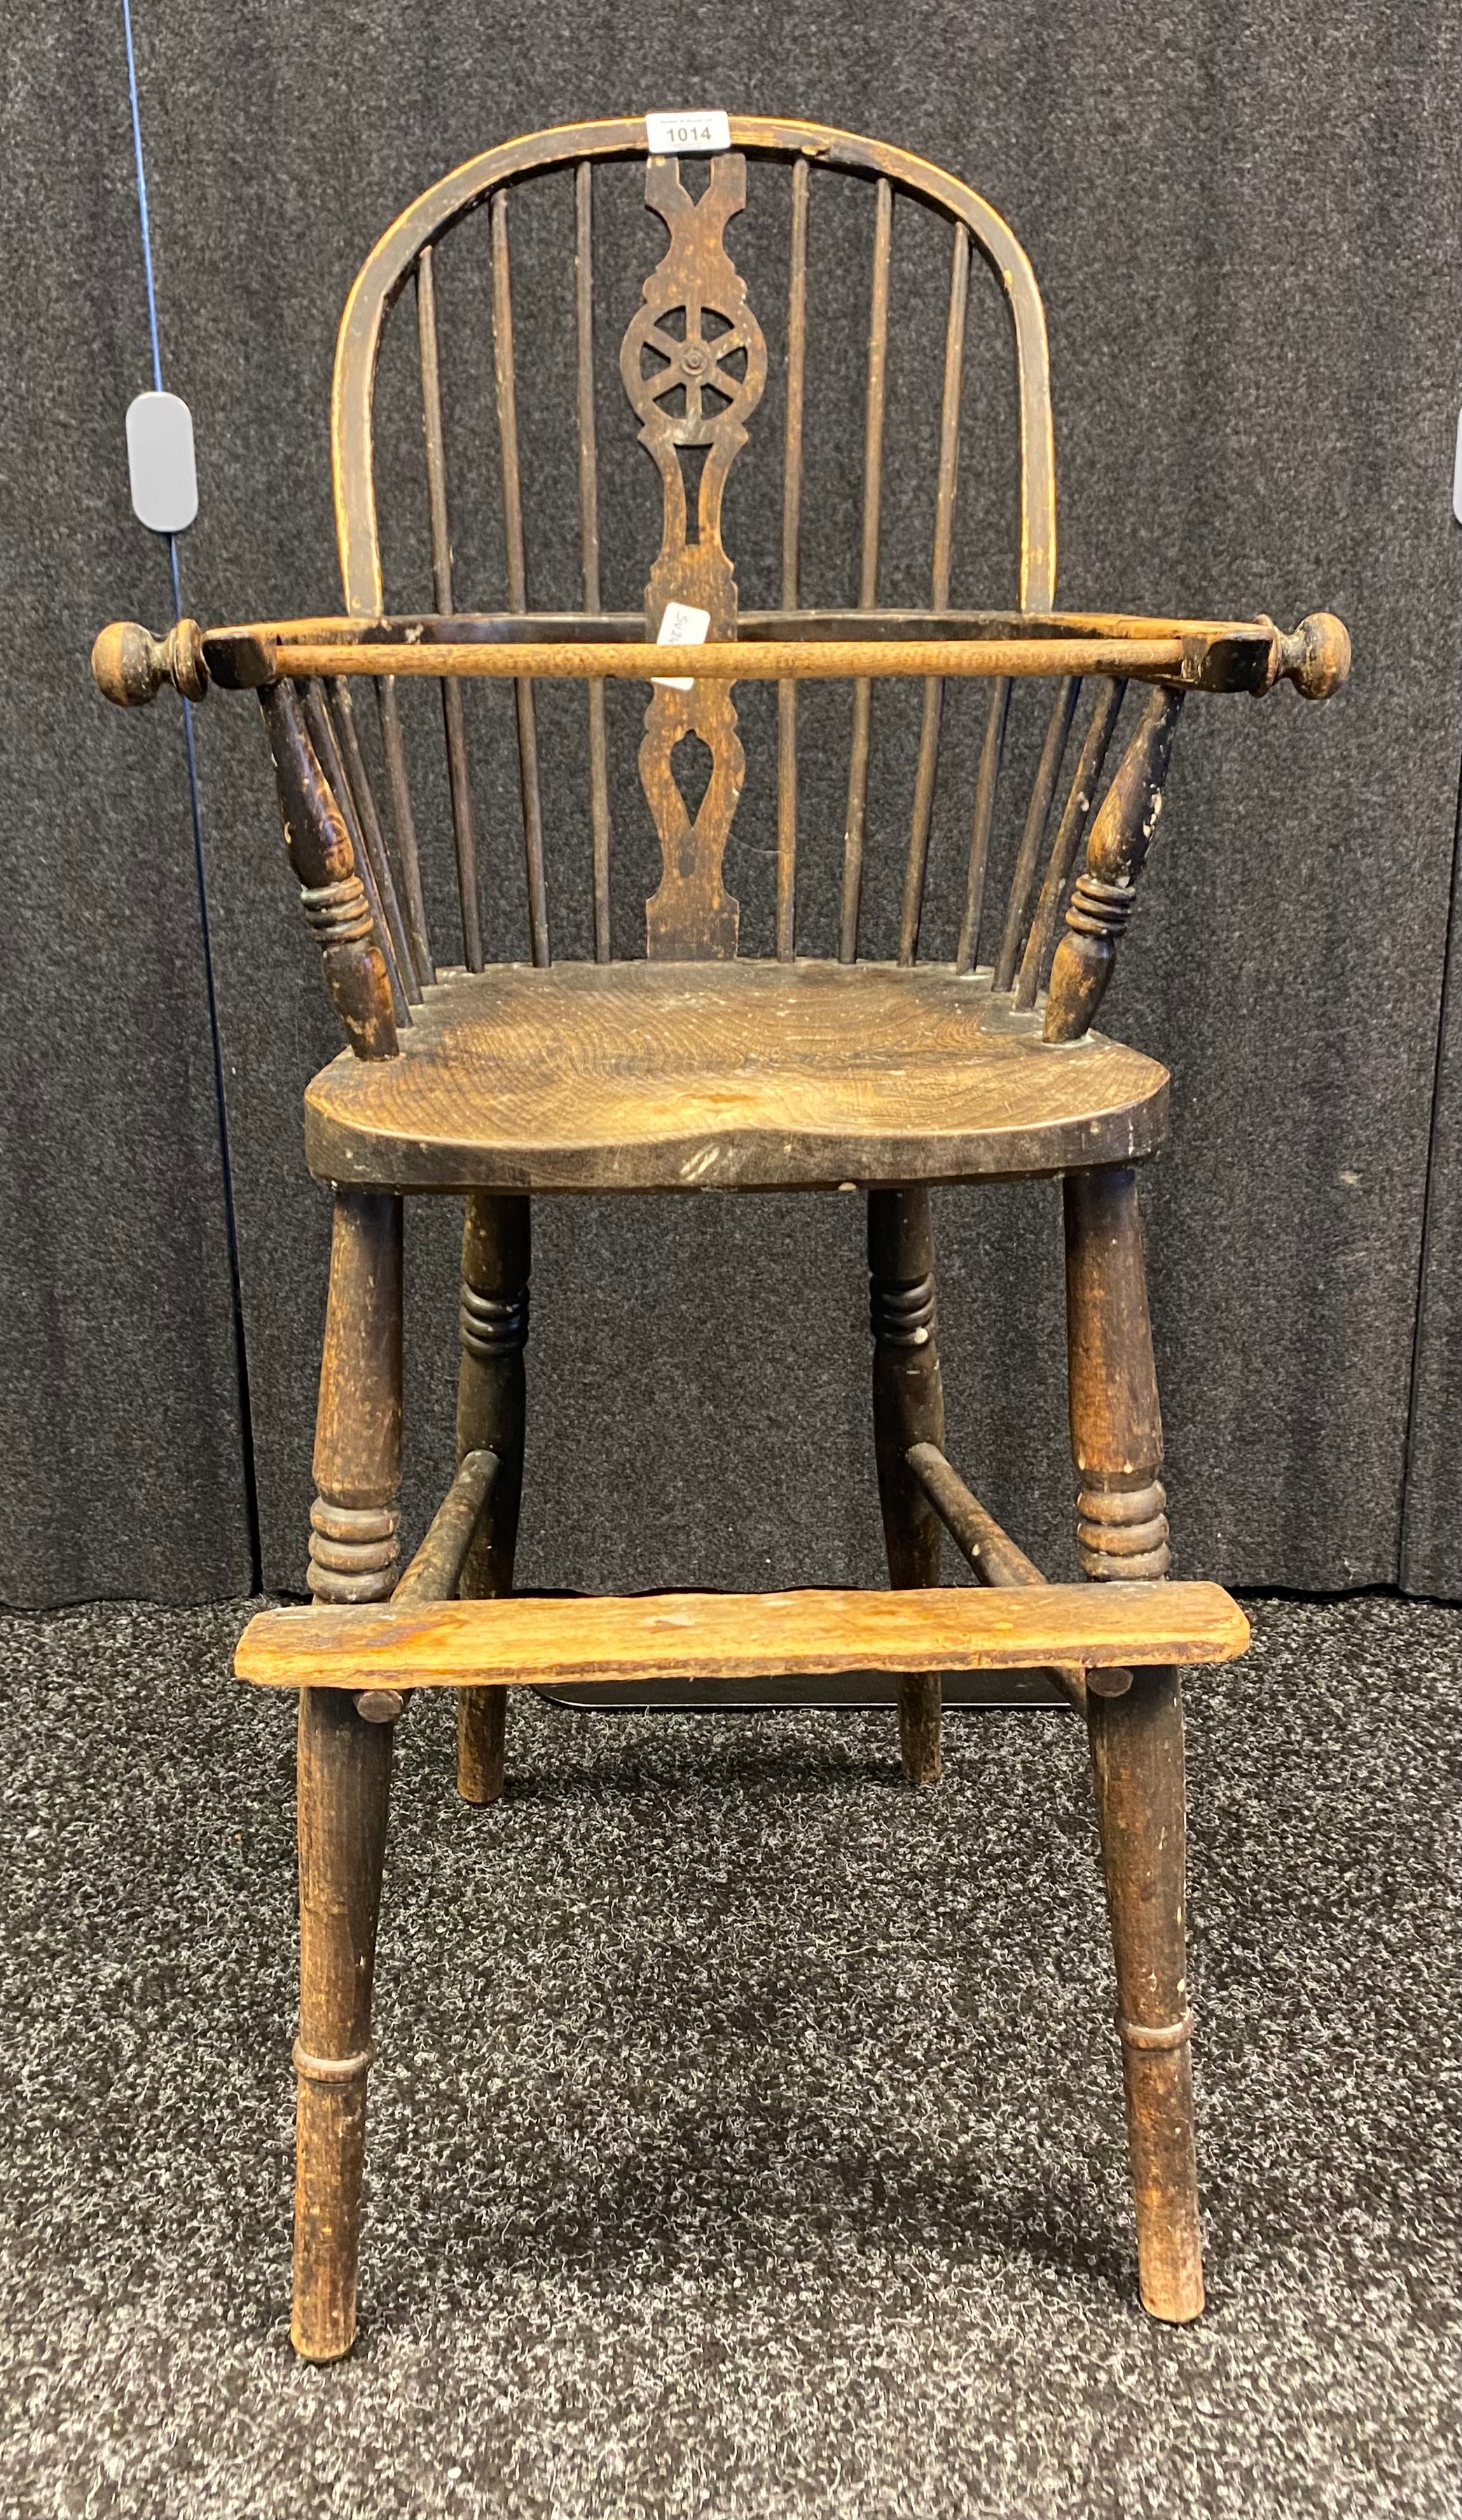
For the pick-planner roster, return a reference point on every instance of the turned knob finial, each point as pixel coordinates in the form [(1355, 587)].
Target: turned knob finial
[(129, 666), (1315, 657)]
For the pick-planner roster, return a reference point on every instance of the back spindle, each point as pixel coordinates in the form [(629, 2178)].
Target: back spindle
[(1041, 944), (588, 510), (459, 781), (873, 488), (943, 543), (791, 520), (522, 692), (1105, 891), (1032, 837), (987, 781), (362, 795), (399, 787)]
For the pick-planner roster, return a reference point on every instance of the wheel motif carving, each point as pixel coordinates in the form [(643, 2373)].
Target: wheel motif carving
[(694, 367)]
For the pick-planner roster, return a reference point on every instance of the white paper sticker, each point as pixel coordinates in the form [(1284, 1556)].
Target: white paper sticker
[(684, 626), (671, 135)]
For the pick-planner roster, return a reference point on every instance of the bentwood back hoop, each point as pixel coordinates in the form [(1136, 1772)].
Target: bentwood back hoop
[(695, 1066)]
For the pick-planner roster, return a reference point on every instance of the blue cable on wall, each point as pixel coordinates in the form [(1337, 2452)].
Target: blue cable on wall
[(195, 804)]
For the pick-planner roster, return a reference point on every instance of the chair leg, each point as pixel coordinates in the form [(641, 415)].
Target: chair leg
[(345, 1767), (1138, 1733), (491, 1392), (908, 1407), (345, 1777)]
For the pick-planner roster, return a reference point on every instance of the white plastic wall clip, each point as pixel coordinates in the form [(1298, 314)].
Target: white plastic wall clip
[(159, 459)]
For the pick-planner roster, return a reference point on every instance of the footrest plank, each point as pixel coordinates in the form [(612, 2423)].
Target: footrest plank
[(738, 1635)]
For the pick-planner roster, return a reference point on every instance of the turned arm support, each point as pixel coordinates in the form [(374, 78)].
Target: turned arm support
[(1105, 891), (333, 897), (1316, 659), (131, 668)]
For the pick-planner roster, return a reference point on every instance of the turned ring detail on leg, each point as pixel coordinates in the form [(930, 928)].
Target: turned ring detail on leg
[(333, 2069), (1155, 2037)]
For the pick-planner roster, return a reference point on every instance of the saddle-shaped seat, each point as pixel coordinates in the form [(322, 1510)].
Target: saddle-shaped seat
[(662, 1076)]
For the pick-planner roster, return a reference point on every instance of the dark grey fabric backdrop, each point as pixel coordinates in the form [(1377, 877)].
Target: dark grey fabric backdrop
[(1245, 226), (123, 1442), (1431, 1527)]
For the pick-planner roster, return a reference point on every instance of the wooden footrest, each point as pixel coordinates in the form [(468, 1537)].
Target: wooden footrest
[(738, 1635)]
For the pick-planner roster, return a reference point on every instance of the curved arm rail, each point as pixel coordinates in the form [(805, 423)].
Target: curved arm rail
[(365, 906), (130, 665)]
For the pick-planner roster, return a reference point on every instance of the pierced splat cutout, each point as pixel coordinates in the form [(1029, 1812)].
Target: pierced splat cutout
[(693, 366), (692, 763)]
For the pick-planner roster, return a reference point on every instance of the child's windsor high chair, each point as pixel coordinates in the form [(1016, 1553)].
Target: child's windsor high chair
[(692, 1069)]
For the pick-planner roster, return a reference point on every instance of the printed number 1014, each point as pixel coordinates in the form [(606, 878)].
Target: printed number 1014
[(669, 133)]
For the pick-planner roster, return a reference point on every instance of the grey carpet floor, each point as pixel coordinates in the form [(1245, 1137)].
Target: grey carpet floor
[(747, 2139)]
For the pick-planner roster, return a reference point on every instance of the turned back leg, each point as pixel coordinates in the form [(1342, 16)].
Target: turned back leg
[(492, 1394), (1136, 1726), (908, 1407), (345, 1767)]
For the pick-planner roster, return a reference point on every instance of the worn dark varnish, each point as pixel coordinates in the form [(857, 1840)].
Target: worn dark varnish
[(491, 1404), (342, 919), (569, 1639), (762, 1075), (435, 1571), (1136, 1737), (345, 1764), (694, 1070), (908, 1408), (1105, 891), (691, 917), (988, 1551)]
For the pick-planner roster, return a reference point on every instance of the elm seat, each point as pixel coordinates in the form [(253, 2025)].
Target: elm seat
[(661, 1076)]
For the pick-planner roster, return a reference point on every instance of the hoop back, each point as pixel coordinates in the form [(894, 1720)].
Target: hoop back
[(694, 364)]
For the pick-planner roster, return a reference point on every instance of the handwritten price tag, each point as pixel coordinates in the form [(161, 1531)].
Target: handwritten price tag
[(684, 626), (671, 135)]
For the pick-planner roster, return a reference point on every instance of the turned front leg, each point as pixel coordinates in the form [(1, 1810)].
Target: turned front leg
[(1137, 1770), (345, 1767), (491, 1399), (908, 1407), (1135, 1723), (345, 1780)]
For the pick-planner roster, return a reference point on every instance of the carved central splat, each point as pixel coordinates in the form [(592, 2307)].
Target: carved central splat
[(694, 365)]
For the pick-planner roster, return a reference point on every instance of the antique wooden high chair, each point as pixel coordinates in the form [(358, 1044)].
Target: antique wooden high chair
[(692, 1069)]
